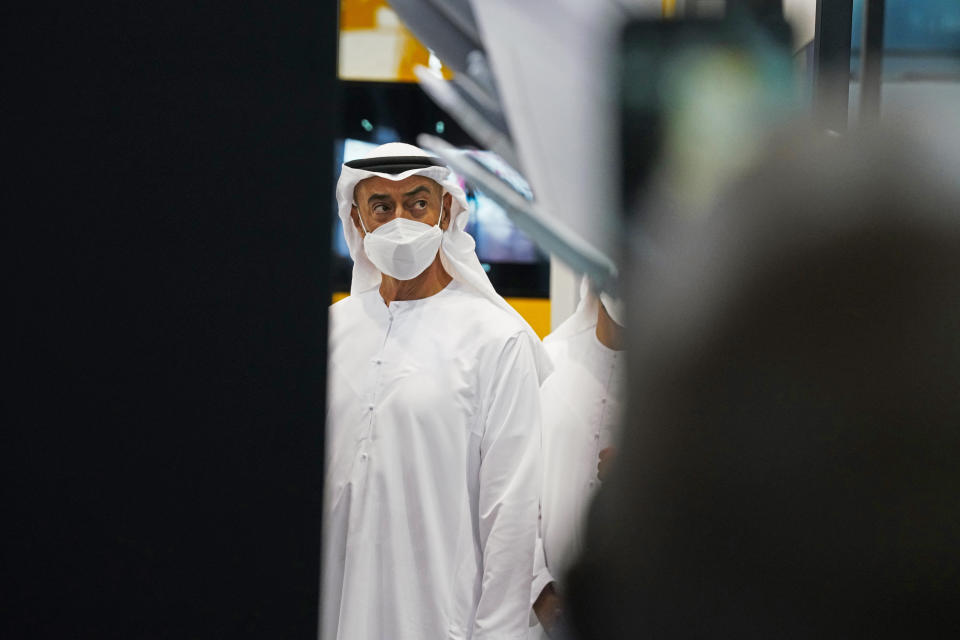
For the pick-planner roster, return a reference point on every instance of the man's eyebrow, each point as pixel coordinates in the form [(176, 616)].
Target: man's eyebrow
[(419, 189), (378, 196)]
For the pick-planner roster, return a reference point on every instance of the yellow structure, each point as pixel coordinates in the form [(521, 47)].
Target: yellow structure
[(536, 311), (376, 46)]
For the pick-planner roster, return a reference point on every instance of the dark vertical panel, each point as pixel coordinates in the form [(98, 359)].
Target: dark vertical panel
[(167, 214), (871, 60), (832, 63)]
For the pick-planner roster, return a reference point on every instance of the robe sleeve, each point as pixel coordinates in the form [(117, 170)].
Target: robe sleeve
[(541, 574), (508, 491)]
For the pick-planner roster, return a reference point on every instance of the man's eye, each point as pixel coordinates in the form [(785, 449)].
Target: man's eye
[(420, 204), (380, 208)]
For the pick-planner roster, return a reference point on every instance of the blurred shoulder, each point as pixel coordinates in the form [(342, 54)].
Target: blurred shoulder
[(342, 308), (350, 311), (480, 316), (567, 341)]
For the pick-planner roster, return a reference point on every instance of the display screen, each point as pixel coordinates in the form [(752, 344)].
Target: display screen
[(917, 26), (921, 40)]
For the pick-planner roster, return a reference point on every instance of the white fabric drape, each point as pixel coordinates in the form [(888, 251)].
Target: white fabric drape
[(433, 469)]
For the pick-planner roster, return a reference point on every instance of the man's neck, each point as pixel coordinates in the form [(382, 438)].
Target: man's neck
[(431, 282), (609, 333)]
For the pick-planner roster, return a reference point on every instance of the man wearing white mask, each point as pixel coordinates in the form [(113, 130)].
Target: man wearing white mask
[(433, 425), (581, 413)]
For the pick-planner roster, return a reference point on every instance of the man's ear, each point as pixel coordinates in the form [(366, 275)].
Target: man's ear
[(355, 216), (447, 203)]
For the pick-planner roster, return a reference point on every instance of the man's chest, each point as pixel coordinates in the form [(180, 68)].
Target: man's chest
[(407, 373)]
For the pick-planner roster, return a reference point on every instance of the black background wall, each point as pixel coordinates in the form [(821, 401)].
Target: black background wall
[(166, 223)]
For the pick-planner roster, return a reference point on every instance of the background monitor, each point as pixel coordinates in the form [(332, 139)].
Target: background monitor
[(921, 40)]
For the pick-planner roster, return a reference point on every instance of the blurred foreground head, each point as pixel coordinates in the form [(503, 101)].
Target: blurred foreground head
[(790, 465)]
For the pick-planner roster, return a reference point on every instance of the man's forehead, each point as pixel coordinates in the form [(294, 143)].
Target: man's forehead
[(377, 184)]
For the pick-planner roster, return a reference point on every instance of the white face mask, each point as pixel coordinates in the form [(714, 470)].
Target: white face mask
[(403, 248)]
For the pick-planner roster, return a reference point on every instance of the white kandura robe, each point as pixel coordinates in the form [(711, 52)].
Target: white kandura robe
[(581, 413), (433, 434)]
